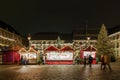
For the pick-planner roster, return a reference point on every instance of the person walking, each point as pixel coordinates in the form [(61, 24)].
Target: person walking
[(107, 62), (84, 61), (90, 60), (102, 62), (41, 59), (21, 60), (78, 60)]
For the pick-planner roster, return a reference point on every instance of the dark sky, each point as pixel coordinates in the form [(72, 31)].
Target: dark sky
[(31, 16)]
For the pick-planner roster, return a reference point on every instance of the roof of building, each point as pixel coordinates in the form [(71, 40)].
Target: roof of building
[(114, 29), (82, 34), (45, 36), (8, 27), (66, 36), (51, 36), (77, 34)]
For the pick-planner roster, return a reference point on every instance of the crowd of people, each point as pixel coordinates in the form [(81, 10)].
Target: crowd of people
[(23, 60), (88, 60)]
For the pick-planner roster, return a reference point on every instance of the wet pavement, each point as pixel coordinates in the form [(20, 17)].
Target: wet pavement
[(58, 72)]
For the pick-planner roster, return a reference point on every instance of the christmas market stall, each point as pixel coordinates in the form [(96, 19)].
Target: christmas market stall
[(32, 56), (90, 50), (23, 56), (52, 55), (56, 56), (11, 56), (0, 57), (66, 55)]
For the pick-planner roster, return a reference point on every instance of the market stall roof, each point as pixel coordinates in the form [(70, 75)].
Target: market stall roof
[(90, 48), (32, 50), (66, 48), (51, 48), (22, 50), (17, 48)]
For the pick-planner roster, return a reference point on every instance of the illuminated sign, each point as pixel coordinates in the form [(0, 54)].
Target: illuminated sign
[(59, 56), (32, 56)]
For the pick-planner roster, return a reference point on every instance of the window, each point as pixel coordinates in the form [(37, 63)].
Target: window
[(117, 36), (117, 44), (0, 32)]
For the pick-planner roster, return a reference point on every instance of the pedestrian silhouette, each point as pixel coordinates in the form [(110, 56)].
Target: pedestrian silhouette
[(107, 62), (90, 60), (84, 61), (102, 62)]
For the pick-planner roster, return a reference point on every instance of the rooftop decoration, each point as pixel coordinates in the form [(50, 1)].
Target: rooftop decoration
[(51, 48)]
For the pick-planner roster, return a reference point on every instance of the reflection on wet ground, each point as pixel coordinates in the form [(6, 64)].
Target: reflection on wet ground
[(58, 72)]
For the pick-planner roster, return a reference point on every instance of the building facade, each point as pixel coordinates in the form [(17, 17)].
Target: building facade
[(114, 34), (40, 41), (10, 39), (79, 39)]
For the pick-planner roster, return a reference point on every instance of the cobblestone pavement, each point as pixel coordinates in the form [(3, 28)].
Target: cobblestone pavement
[(58, 72)]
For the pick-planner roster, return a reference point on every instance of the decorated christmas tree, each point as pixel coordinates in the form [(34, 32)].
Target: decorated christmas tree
[(104, 44)]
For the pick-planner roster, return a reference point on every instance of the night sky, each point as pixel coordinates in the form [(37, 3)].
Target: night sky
[(32, 16)]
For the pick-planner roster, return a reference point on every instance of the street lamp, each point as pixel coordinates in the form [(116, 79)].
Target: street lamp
[(88, 41), (29, 38), (88, 38)]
